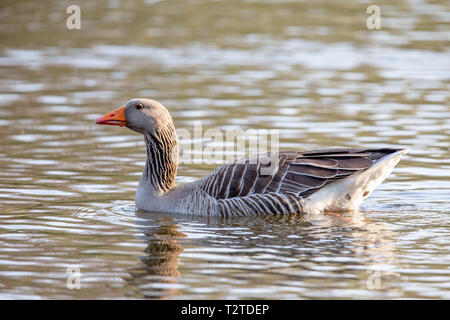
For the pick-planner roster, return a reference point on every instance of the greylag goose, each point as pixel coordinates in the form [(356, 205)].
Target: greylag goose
[(300, 182)]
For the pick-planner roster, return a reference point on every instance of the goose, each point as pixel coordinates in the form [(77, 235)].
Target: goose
[(284, 182)]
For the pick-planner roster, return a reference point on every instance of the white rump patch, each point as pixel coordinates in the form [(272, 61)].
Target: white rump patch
[(348, 194)]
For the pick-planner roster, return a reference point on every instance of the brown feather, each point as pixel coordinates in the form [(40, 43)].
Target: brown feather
[(299, 173)]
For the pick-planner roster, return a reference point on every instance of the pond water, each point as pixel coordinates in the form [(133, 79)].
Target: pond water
[(311, 70)]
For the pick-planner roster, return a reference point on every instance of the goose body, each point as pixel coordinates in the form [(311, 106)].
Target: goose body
[(285, 182)]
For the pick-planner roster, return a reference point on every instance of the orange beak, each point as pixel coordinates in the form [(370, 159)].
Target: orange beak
[(115, 118)]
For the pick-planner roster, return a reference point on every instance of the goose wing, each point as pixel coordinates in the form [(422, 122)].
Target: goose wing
[(288, 172)]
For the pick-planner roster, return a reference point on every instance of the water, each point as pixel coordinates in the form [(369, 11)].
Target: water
[(312, 70)]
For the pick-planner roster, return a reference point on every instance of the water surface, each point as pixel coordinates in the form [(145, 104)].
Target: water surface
[(312, 70)]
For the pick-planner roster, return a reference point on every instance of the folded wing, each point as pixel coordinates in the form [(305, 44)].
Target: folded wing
[(288, 172)]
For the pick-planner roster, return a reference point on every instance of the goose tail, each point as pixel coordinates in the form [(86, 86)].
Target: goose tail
[(348, 194)]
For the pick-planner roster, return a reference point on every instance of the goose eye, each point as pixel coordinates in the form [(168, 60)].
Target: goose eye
[(138, 106)]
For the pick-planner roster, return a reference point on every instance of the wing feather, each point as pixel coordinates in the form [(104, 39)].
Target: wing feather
[(293, 173)]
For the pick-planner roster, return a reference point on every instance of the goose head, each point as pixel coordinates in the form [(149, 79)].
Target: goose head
[(144, 116), (151, 119)]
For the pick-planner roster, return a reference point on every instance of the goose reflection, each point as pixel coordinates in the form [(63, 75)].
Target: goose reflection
[(294, 256), (157, 276)]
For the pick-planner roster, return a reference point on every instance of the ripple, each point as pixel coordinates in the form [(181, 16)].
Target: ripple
[(67, 187)]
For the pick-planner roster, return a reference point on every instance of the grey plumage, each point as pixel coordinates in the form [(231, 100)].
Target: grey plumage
[(239, 187), (271, 183)]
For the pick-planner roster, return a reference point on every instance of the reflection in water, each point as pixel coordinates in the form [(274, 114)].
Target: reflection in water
[(294, 256), (158, 276)]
